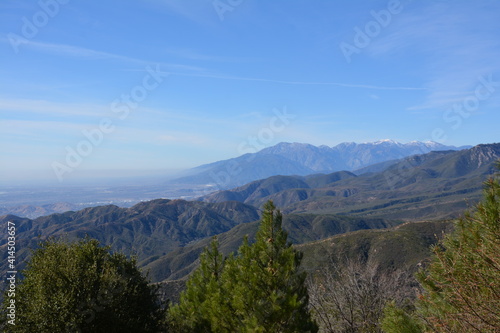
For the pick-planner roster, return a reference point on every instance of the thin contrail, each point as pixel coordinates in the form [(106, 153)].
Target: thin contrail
[(339, 84)]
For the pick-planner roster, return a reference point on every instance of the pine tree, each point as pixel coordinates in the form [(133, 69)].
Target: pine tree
[(462, 284), (258, 290), (199, 306), (397, 320), (268, 293)]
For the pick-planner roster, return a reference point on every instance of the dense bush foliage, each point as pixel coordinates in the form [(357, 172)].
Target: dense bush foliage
[(82, 287)]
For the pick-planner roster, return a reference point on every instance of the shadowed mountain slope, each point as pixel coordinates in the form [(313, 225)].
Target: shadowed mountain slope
[(301, 228), (149, 228)]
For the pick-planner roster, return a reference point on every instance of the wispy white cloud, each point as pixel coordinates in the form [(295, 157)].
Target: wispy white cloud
[(187, 70), (167, 138), (36, 132), (82, 52), (456, 42), (48, 108), (199, 12), (193, 55), (314, 83), (431, 28), (181, 138), (85, 114)]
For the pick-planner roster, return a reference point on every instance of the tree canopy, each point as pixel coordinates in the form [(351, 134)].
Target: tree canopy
[(82, 287), (258, 290), (461, 286)]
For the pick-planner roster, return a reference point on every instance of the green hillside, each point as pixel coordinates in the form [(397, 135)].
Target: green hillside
[(404, 247), (301, 228), (401, 247)]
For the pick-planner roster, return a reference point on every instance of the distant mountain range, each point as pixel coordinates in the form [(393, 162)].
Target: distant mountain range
[(304, 159), (432, 185), (32, 211)]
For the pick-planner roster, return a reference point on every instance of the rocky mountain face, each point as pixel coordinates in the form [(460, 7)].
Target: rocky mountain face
[(303, 159)]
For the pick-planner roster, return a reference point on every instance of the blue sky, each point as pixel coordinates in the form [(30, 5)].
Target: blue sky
[(171, 84)]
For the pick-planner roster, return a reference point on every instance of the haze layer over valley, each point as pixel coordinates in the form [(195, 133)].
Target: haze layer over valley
[(282, 159)]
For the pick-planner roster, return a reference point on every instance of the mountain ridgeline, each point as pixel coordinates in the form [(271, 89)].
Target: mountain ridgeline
[(163, 230), (146, 229), (303, 159), (432, 185)]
